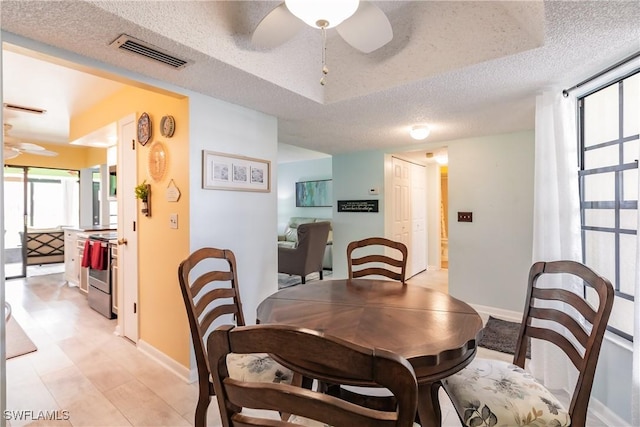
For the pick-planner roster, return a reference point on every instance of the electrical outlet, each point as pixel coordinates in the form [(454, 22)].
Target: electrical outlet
[(173, 220), (465, 216)]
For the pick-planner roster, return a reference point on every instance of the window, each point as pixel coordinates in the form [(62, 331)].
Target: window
[(609, 147)]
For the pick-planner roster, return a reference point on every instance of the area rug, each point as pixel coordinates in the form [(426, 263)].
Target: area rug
[(18, 343), (501, 335), (286, 281)]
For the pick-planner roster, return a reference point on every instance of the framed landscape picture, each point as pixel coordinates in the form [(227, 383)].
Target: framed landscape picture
[(230, 172), (314, 193)]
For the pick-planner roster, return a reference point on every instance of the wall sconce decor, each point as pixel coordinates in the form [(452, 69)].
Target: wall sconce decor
[(143, 192)]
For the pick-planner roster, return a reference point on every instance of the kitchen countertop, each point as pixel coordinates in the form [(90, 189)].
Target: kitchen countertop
[(111, 236), (90, 228), (106, 232)]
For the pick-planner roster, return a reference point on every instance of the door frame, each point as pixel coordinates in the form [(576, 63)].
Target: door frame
[(23, 252), (127, 273)]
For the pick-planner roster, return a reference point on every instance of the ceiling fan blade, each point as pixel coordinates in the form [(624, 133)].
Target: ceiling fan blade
[(46, 153), (10, 153), (276, 28), (26, 146), (368, 29)]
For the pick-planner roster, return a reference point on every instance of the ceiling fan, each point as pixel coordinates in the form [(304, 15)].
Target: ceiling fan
[(13, 147), (360, 23)]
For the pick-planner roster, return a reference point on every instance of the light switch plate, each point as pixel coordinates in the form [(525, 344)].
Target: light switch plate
[(465, 216), (173, 220)]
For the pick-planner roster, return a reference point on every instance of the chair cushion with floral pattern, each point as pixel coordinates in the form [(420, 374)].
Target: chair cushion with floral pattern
[(257, 367), (496, 393)]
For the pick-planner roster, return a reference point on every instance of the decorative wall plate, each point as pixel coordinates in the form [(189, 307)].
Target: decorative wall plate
[(157, 163), (144, 129), (167, 126)]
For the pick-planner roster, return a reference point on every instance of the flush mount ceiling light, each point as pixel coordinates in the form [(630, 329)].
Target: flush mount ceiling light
[(442, 158), (419, 132)]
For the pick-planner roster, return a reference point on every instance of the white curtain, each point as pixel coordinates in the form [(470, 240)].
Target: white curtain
[(70, 202), (556, 221), (635, 383)]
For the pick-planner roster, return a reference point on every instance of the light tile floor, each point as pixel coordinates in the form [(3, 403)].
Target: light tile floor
[(102, 379)]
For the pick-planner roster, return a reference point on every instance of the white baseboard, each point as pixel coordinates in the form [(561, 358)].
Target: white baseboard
[(185, 374), (605, 415), (512, 316)]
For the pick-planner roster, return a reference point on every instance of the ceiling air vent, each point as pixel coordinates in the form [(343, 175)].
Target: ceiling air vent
[(24, 109), (138, 47)]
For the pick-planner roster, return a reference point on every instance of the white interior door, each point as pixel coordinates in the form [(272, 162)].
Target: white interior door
[(401, 210), (127, 229)]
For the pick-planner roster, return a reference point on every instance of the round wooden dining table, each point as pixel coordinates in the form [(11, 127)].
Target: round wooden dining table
[(435, 332)]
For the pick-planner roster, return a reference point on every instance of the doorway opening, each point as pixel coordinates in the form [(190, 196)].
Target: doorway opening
[(37, 203)]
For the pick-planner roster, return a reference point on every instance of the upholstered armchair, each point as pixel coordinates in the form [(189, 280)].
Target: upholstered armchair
[(307, 256)]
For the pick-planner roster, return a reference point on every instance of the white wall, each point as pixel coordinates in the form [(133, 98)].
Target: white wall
[(434, 252), (353, 175), (242, 221), (489, 258), (612, 383), (288, 175), (86, 197)]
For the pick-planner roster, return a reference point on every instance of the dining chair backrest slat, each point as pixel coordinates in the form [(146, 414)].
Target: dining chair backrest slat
[(316, 356), (377, 264)]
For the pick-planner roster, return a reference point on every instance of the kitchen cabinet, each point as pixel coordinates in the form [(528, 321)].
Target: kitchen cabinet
[(81, 272), (74, 243), (74, 273), (70, 256)]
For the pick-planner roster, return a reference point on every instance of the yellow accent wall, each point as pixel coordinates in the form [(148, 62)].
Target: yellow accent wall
[(69, 157), (162, 317)]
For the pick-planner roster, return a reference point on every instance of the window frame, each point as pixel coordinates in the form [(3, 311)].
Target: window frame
[(618, 204)]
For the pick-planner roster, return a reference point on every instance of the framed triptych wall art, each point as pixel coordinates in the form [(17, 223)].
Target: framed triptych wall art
[(222, 171)]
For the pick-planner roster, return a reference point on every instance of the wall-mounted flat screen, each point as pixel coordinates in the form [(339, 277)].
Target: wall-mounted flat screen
[(314, 193)]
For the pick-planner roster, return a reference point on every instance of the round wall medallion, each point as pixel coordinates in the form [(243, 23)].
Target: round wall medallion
[(167, 126), (144, 129), (157, 163)]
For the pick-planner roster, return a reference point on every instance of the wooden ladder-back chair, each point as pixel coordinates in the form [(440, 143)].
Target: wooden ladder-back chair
[(381, 265), (209, 294), (316, 356), (475, 391)]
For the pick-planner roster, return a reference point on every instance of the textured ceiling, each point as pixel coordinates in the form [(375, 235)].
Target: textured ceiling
[(467, 68)]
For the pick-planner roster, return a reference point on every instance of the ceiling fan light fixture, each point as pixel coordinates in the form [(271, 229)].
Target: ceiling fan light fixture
[(322, 13), (419, 132)]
